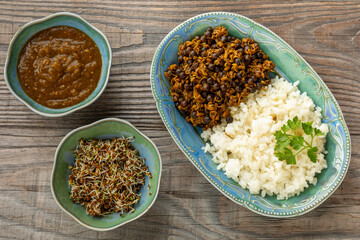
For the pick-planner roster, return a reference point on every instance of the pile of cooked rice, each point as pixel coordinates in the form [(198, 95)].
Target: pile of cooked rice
[(244, 149)]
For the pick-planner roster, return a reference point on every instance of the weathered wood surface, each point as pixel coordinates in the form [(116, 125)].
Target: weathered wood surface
[(325, 33)]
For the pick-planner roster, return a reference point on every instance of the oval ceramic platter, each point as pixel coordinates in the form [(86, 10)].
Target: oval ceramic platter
[(291, 66)]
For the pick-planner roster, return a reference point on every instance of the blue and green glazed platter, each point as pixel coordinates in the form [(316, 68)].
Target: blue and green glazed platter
[(291, 66)]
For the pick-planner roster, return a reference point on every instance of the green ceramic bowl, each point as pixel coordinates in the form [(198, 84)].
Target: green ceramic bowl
[(31, 28), (104, 129)]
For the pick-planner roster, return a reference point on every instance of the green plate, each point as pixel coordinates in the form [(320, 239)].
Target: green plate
[(291, 66)]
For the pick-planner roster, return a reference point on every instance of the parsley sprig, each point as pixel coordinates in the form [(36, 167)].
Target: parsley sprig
[(287, 138)]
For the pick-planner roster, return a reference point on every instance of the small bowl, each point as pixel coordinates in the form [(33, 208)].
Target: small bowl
[(104, 129), (290, 65), (33, 27)]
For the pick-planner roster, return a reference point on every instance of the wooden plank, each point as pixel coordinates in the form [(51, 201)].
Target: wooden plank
[(325, 33)]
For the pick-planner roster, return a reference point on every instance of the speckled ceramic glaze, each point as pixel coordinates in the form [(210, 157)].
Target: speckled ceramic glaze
[(291, 66), (104, 129), (31, 28)]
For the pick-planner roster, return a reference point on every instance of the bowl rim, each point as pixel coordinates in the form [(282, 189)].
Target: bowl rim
[(118, 120), (44, 19), (244, 204)]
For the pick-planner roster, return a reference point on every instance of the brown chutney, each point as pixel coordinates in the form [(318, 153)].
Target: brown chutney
[(59, 67)]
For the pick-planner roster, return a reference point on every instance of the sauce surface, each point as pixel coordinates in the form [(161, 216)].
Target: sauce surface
[(59, 67)]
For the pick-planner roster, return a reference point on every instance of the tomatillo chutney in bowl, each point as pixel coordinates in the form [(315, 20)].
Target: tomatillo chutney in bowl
[(66, 159), (58, 64)]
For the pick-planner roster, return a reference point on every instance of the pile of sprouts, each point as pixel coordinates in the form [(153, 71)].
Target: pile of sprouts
[(107, 176)]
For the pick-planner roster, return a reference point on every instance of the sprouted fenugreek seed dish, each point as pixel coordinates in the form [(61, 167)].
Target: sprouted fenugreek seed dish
[(107, 176), (263, 133)]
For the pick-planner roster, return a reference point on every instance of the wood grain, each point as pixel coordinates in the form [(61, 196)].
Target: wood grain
[(325, 33)]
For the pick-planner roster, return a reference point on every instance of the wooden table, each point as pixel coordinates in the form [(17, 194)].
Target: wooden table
[(325, 33)]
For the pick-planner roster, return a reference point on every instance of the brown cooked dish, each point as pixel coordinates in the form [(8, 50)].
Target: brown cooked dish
[(59, 67), (216, 72)]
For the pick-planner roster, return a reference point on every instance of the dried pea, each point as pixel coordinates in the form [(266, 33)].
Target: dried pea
[(215, 72)]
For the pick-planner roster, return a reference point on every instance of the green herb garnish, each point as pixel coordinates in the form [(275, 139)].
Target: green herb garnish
[(287, 140)]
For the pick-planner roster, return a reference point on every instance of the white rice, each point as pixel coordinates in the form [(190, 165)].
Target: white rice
[(244, 149)]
